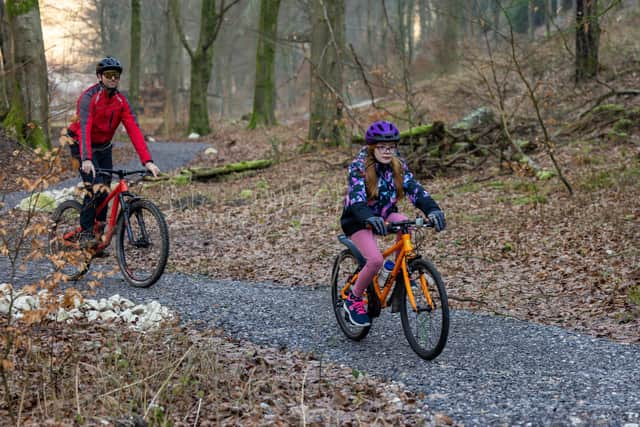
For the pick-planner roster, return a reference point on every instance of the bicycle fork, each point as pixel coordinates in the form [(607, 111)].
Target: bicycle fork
[(408, 252), (143, 241)]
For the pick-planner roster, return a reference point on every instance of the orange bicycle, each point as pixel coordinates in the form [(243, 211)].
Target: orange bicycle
[(414, 288), (142, 244)]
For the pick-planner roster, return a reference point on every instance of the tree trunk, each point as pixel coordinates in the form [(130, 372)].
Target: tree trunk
[(548, 16), (587, 39), (532, 25), (264, 94), (201, 62), (567, 5), (171, 73), (496, 21), (448, 23), (410, 28), (327, 48), (134, 73), (423, 12), (29, 112), (4, 55), (200, 74)]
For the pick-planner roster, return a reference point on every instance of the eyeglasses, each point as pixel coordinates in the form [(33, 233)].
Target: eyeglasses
[(110, 75), (391, 148)]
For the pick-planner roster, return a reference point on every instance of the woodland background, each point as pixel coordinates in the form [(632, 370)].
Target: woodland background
[(520, 117)]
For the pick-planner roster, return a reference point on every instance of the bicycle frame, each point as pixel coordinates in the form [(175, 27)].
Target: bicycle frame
[(405, 250), (119, 191), (117, 195)]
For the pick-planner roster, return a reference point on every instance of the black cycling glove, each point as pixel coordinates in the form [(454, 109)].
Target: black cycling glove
[(437, 219), (377, 224)]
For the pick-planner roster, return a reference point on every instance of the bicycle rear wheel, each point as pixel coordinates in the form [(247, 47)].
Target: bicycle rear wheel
[(344, 267), (142, 256), (428, 328), (64, 248)]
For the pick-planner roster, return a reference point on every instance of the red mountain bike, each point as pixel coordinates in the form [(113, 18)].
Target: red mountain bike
[(142, 243)]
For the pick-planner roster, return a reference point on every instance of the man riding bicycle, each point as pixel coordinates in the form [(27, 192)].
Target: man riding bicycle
[(100, 110)]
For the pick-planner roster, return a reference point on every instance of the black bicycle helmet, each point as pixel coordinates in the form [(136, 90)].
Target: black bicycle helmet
[(108, 63)]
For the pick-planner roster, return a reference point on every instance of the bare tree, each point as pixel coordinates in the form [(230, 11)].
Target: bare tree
[(587, 39), (327, 51), (29, 110), (4, 46), (265, 89), (134, 55), (448, 29), (201, 60), (171, 75)]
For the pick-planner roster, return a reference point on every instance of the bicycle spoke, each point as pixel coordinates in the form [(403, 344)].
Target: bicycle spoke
[(64, 251), (142, 255), (426, 328), (344, 267)]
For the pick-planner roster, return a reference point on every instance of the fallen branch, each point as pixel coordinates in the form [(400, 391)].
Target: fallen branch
[(416, 132), (612, 93), (208, 173)]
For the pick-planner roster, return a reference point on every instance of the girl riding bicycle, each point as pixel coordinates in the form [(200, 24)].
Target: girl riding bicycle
[(378, 178)]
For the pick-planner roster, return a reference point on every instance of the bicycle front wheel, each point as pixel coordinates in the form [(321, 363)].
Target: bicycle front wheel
[(344, 266), (142, 255), (65, 253), (426, 328)]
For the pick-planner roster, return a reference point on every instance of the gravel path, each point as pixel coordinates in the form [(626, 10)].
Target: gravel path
[(167, 155), (494, 371)]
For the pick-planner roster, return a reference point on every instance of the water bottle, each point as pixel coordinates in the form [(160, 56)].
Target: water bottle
[(384, 273)]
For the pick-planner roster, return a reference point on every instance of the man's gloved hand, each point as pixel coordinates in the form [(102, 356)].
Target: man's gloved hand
[(437, 219), (87, 167), (377, 224), (151, 167)]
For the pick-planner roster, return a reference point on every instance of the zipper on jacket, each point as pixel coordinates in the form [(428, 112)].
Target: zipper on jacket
[(111, 120)]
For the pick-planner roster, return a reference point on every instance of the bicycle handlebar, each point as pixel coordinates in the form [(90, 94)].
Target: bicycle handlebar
[(121, 172), (401, 225)]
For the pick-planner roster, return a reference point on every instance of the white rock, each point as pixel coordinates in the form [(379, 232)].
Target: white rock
[(138, 309), (108, 315), (62, 315), (144, 325), (211, 151), (25, 303), (128, 316), (93, 315), (76, 314), (194, 135), (4, 306), (5, 288), (47, 200), (91, 304)]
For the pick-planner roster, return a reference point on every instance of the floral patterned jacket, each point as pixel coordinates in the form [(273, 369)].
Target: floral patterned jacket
[(356, 206)]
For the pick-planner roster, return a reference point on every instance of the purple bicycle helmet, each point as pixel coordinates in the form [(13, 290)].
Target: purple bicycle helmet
[(382, 131)]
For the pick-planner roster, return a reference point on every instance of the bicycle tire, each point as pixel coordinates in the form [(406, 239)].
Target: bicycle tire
[(427, 340), (143, 259), (344, 265), (67, 259)]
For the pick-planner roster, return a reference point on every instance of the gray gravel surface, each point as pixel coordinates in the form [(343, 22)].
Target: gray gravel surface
[(167, 155), (493, 371)]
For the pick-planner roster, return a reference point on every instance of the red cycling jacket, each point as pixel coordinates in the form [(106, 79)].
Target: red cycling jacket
[(98, 117)]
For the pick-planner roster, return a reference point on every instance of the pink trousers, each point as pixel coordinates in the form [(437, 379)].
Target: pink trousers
[(366, 243)]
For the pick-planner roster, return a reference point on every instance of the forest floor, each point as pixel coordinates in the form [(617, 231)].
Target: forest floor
[(515, 245)]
